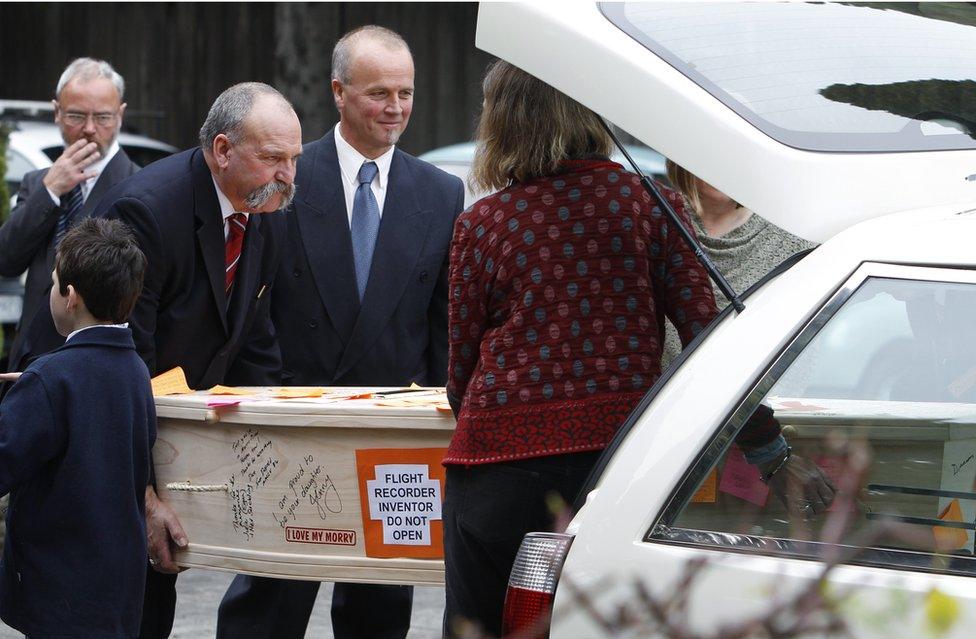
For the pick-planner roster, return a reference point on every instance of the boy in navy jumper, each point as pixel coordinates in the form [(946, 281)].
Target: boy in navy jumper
[(76, 431)]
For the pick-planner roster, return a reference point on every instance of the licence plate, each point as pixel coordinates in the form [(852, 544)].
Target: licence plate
[(11, 307)]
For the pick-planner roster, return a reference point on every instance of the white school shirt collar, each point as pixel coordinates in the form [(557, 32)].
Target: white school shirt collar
[(350, 160), (226, 208), (85, 328)]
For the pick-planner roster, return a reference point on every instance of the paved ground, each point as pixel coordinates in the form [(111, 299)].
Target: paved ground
[(199, 592)]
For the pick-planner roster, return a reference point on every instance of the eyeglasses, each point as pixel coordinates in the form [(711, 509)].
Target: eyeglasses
[(78, 119)]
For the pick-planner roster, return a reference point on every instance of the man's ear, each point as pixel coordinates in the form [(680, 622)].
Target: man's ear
[(57, 111), (74, 298), (338, 93), (221, 150), (122, 110)]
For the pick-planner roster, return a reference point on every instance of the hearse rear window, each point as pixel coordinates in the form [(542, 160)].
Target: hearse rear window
[(842, 77)]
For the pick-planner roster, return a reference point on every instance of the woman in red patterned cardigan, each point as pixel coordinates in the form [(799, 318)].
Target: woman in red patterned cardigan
[(559, 285)]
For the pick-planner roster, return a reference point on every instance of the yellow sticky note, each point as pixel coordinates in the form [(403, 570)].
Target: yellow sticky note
[(950, 538), (396, 403), (436, 401), (172, 382), (295, 392), (230, 390), (706, 493)]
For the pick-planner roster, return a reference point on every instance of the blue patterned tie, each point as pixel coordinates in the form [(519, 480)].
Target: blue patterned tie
[(71, 203), (365, 225)]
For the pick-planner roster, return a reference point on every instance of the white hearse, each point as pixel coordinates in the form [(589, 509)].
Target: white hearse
[(847, 124)]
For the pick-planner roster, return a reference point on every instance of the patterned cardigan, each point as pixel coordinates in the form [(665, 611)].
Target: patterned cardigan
[(558, 292)]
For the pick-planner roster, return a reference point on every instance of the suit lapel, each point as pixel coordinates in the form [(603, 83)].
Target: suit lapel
[(210, 230), (403, 229), (325, 236)]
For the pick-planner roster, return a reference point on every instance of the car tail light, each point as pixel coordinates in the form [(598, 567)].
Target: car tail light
[(532, 585)]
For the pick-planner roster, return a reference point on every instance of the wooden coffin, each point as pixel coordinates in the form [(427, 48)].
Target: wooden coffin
[(330, 488), (922, 471)]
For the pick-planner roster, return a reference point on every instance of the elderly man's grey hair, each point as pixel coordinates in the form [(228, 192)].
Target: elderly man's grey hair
[(86, 69), (342, 53), (231, 108)]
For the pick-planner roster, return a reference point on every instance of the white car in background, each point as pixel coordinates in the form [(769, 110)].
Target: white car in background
[(456, 159), (844, 124), (35, 142)]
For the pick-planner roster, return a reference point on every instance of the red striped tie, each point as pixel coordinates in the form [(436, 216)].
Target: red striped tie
[(236, 224)]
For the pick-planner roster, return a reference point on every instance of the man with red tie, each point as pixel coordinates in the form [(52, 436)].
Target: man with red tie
[(200, 218), (360, 299)]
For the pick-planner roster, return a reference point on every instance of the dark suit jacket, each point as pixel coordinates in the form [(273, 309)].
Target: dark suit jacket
[(400, 333), (182, 317), (27, 243), (75, 436)]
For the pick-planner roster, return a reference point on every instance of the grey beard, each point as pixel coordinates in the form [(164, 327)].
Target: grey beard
[(257, 198)]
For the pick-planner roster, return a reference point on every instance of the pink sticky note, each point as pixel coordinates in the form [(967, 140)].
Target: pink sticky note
[(832, 467), (222, 403), (742, 479), (796, 406)]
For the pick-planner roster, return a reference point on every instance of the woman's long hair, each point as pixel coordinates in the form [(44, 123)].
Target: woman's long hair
[(527, 128), (686, 182)]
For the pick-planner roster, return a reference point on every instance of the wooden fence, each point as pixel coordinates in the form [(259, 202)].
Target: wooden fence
[(176, 58)]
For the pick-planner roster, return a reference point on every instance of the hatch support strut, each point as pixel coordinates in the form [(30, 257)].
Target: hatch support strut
[(686, 235)]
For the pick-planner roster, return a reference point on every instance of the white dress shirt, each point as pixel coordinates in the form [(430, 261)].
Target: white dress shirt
[(85, 328), (350, 160), (226, 208), (89, 184)]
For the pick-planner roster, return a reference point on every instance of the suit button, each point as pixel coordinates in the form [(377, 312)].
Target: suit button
[(297, 273), (313, 324), (423, 276)]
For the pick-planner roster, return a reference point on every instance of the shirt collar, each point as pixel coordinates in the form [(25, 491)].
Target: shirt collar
[(85, 328), (350, 160), (226, 208)]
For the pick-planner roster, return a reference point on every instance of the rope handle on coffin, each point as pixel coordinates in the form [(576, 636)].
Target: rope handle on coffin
[(187, 487)]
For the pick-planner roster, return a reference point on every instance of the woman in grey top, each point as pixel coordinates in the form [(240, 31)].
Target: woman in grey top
[(743, 245)]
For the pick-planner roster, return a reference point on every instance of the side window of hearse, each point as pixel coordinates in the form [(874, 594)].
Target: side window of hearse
[(882, 400)]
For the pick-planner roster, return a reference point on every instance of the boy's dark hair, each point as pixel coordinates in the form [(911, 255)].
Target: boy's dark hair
[(101, 259)]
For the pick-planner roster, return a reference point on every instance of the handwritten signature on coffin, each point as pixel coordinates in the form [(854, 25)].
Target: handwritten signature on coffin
[(257, 463), (311, 485), (956, 468)]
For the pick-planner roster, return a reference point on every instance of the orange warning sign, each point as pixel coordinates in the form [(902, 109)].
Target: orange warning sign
[(950, 538), (401, 491)]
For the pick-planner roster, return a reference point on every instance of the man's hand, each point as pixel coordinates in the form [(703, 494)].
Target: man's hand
[(9, 377), (802, 487), (162, 529), (70, 169)]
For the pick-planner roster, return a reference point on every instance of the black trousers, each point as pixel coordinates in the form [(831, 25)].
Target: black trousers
[(487, 510), (264, 608), (158, 605)]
